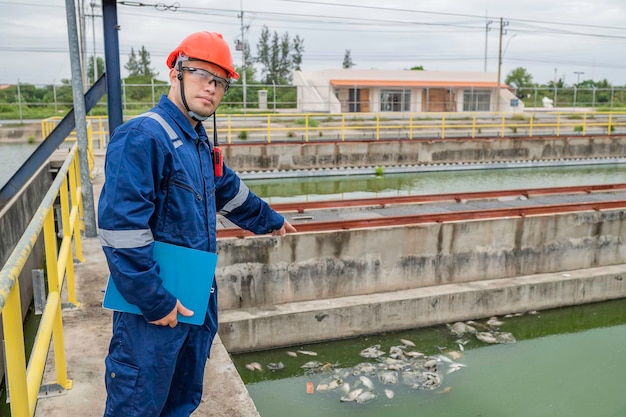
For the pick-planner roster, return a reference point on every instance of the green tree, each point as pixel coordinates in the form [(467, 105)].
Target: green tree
[(347, 60), (417, 68), (278, 56), (249, 60), (99, 67), (138, 64), (132, 66), (298, 49), (519, 78)]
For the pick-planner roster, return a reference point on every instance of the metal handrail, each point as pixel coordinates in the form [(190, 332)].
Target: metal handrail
[(299, 127), (24, 381)]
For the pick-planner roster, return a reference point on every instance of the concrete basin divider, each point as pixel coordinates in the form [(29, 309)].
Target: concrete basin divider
[(337, 318), (311, 287)]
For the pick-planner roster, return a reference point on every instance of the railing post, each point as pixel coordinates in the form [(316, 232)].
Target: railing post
[(474, 126), (558, 124), (443, 125), (77, 208), (15, 352), (530, 129), (610, 124), (269, 128), (228, 130), (410, 125), (343, 127), (503, 125), (306, 127), (377, 126)]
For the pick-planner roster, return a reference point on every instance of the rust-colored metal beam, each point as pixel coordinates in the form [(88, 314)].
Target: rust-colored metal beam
[(302, 207), (392, 221)]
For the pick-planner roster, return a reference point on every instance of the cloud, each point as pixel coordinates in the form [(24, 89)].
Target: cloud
[(447, 35)]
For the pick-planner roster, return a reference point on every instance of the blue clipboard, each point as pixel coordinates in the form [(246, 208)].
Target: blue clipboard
[(187, 273)]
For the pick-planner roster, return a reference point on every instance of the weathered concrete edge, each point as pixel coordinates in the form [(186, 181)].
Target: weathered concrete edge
[(329, 319), (221, 378)]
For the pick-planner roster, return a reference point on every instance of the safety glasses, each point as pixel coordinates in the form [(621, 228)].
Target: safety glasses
[(204, 76)]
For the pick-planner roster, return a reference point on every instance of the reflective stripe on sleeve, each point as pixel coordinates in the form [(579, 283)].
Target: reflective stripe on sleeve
[(237, 200), (166, 126), (125, 239)]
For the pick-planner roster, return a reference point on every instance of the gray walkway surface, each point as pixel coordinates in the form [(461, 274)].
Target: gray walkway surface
[(87, 332)]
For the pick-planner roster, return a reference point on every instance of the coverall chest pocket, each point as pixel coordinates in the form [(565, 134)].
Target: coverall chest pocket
[(185, 208)]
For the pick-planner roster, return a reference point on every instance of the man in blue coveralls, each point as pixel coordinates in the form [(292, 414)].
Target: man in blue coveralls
[(165, 182)]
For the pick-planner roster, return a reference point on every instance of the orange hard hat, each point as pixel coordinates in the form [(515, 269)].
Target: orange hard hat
[(205, 46)]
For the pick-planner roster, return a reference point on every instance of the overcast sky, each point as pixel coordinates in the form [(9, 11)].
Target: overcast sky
[(549, 38)]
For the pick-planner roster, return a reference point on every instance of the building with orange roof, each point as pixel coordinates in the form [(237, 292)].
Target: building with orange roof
[(379, 91)]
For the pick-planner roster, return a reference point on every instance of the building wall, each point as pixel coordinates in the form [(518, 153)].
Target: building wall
[(314, 88)]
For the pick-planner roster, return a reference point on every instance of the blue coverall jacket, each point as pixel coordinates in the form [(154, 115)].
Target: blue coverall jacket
[(160, 185)]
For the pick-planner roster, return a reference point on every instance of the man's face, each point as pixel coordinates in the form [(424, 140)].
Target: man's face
[(205, 84)]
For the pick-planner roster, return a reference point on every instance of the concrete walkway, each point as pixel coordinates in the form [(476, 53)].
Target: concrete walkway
[(87, 332)]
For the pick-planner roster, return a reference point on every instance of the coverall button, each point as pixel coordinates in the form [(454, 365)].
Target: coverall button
[(112, 374)]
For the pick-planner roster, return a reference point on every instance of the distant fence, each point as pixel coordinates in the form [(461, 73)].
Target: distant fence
[(19, 101)]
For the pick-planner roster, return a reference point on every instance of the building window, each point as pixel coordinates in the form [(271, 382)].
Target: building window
[(476, 100), (395, 100), (354, 100)]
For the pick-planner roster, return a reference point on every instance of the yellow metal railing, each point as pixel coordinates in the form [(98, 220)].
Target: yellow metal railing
[(24, 380), (96, 129), (301, 127), (304, 127)]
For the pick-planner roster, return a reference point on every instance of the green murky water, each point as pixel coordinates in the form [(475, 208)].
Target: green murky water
[(422, 183), (568, 362)]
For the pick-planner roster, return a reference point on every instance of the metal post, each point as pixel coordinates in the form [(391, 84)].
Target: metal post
[(124, 94), (93, 32), (54, 94), (499, 66), (274, 94), (487, 29), (19, 100), (80, 117), (112, 62), (593, 100), (243, 59)]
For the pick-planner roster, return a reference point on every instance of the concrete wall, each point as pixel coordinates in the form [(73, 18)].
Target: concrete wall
[(258, 275), (276, 156)]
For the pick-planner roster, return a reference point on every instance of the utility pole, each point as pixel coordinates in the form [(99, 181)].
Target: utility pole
[(80, 121), (578, 74), (83, 42), (502, 32), (487, 29), (93, 16), (242, 47)]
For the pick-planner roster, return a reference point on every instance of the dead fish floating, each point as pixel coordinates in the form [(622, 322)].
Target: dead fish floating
[(496, 337), (372, 352), (254, 366), (275, 366), (459, 328)]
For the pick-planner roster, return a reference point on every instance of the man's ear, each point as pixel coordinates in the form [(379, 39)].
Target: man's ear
[(173, 75)]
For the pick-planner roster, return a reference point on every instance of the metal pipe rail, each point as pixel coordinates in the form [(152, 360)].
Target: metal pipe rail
[(302, 207), (390, 221), (298, 127), (24, 380)]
